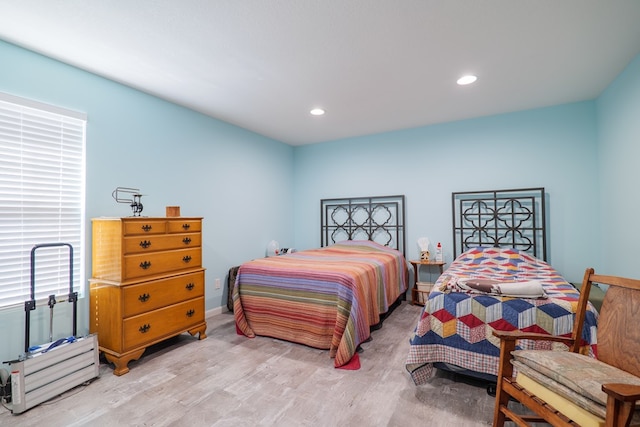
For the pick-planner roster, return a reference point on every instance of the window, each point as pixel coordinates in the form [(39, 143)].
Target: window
[(42, 177)]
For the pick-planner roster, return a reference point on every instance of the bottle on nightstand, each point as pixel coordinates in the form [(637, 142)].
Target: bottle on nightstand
[(439, 256)]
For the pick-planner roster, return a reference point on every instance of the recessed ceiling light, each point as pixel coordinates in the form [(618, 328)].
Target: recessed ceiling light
[(465, 80), (317, 112)]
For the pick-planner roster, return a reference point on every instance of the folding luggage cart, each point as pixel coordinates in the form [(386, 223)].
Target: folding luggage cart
[(50, 369)]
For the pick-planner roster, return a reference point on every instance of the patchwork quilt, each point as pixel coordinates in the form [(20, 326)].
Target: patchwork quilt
[(456, 323), (325, 298)]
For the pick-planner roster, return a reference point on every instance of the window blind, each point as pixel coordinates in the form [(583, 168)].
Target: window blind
[(42, 176)]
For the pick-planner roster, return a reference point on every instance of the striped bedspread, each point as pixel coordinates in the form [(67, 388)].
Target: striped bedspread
[(325, 298), (456, 327)]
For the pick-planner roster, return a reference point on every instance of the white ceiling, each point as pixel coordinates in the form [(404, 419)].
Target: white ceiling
[(374, 65)]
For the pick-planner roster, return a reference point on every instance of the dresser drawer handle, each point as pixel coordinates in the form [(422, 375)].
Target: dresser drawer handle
[(186, 240), (144, 297), (145, 265), (190, 286), (186, 258), (146, 228), (144, 328), (186, 226), (145, 244), (190, 313)]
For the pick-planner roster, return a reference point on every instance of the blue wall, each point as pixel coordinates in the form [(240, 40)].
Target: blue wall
[(240, 182), (619, 172), (251, 189), (553, 147)]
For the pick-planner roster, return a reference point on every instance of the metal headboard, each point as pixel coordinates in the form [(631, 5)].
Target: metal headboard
[(380, 219), (500, 218)]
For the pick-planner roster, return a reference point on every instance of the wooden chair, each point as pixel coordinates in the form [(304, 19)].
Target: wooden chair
[(618, 346)]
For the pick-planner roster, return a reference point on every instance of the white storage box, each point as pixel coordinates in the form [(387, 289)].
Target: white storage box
[(46, 375)]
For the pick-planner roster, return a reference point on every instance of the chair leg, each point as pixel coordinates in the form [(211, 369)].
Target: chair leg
[(504, 370), (619, 413), (502, 401)]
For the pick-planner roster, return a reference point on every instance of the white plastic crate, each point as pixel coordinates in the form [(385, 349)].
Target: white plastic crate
[(45, 375)]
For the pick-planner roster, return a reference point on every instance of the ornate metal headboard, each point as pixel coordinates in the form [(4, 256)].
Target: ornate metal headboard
[(380, 219), (500, 218)]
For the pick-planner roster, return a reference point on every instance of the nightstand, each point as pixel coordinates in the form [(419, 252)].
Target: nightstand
[(421, 290)]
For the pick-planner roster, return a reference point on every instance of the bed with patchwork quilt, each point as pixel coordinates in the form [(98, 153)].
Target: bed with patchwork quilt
[(327, 298), (468, 302)]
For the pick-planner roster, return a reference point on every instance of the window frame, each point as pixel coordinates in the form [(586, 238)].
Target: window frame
[(29, 207)]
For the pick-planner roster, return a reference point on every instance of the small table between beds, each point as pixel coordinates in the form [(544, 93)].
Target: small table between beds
[(416, 292)]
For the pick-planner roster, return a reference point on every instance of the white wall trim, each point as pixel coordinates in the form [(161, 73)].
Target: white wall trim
[(216, 311), (25, 102)]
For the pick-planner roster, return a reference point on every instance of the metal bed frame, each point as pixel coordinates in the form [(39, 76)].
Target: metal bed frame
[(500, 218), (380, 219)]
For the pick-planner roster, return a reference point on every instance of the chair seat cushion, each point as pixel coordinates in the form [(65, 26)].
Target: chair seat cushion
[(566, 406), (552, 386), (582, 374)]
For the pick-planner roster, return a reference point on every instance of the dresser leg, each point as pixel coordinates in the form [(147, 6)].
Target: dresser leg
[(201, 330), (122, 361)]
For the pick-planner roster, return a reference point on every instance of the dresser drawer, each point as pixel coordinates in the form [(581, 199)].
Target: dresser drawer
[(145, 226), (150, 264), (162, 323), (141, 244), (155, 294), (184, 226)]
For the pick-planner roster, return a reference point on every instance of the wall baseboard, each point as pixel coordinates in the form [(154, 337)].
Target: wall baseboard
[(216, 311)]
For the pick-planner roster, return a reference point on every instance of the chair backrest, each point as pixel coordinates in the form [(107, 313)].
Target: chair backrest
[(618, 334), (581, 311)]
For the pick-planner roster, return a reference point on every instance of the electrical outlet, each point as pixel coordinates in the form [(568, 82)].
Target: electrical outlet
[(217, 283)]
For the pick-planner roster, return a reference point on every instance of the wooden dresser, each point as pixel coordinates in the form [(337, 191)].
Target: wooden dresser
[(147, 284)]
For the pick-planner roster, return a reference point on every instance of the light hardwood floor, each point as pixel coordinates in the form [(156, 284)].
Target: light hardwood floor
[(231, 380)]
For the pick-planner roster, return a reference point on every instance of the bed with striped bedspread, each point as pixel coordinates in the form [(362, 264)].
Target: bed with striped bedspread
[(325, 298)]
